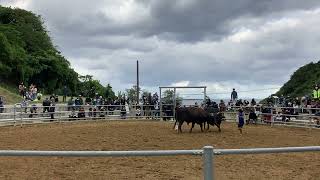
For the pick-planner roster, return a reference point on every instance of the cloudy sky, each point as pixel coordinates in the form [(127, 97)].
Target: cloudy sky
[(253, 46)]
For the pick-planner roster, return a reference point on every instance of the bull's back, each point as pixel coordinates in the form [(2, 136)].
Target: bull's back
[(192, 114)]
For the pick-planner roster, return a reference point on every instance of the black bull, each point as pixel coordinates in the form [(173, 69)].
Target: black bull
[(197, 115)]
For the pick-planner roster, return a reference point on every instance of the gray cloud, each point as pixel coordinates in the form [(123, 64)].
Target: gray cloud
[(223, 44)]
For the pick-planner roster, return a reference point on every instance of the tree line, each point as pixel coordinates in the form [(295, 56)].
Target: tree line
[(28, 55), (302, 81)]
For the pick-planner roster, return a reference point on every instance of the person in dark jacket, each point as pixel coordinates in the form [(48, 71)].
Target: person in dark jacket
[(252, 117), (52, 109), (46, 105), (234, 95), (1, 105), (65, 91)]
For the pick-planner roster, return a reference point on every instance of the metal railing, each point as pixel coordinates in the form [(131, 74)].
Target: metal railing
[(301, 117), (19, 115), (208, 153)]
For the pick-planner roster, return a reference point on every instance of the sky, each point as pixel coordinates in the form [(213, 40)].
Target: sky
[(252, 46)]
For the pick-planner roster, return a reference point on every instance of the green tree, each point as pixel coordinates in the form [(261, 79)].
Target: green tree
[(28, 55), (5, 57), (168, 97), (109, 93), (132, 94), (302, 81)]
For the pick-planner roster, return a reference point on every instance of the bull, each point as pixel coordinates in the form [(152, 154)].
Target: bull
[(196, 115), (215, 120)]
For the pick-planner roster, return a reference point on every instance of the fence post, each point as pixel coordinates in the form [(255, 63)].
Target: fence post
[(208, 163), (14, 114), (160, 105), (272, 120), (21, 118), (60, 112)]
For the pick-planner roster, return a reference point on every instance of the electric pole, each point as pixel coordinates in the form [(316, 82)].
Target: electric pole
[(138, 82)]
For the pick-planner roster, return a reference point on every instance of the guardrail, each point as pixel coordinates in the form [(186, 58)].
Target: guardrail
[(208, 154), (288, 116), (19, 114)]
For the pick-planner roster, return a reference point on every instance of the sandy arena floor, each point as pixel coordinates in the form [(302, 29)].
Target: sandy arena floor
[(146, 135)]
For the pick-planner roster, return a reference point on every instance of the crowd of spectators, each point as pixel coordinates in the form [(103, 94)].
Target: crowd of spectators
[(30, 94)]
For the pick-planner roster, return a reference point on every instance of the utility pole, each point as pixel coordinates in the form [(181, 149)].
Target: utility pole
[(138, 82)]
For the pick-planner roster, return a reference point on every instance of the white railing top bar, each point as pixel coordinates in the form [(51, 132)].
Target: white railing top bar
[(157, 152)]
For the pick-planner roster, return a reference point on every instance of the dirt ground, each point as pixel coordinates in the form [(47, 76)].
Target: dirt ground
[(147, 135)]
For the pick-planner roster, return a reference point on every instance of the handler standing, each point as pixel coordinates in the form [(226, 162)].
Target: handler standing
[(234, 95), (241, 120)]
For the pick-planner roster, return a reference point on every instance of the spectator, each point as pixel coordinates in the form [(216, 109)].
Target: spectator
[(155, 97), (1, 104), (39, 96), (53, 96), (239, 103), (56, 99), (70, 103), (253, 102), (222, 106), (123, 112), (34, 93), (234, 95), (246, 103), (65, 91), (313, 104), (26, 95), (281, 99), (22, 89), (138, 111), (52, 109), (46, 105), (316, 93), (252, 117), (157, 110), (80, 100), (81, 113), (207, 102), (33, 110), (317, 119), (77, 102), (24, 104)]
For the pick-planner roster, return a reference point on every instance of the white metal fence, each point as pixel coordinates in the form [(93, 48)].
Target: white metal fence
[(19, 114), (282, 116), (208, 154)]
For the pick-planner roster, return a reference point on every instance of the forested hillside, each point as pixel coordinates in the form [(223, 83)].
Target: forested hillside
[(28, 55), (302, 81)]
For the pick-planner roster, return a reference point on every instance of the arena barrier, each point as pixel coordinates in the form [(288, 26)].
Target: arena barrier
[(31, 114), (19, 114), (207, 152), (279, 116)]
